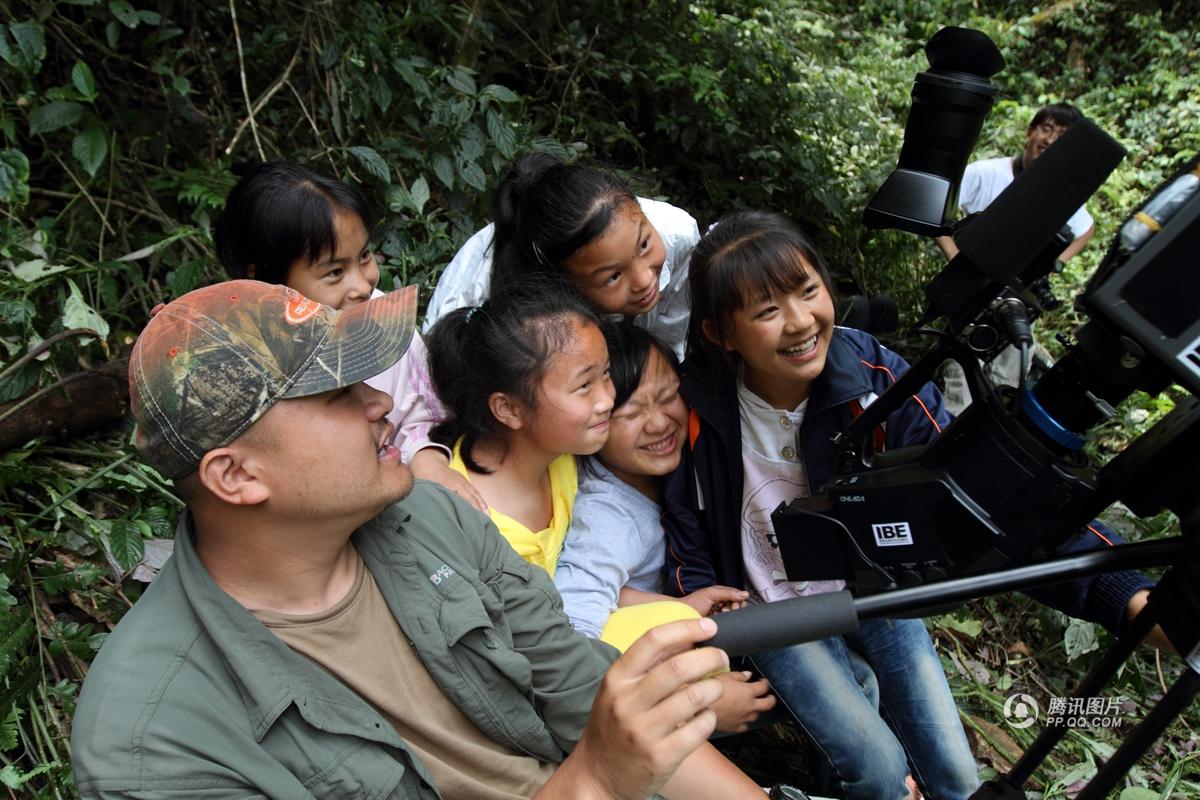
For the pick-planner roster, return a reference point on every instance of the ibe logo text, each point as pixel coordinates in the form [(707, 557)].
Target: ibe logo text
[(892, 534)]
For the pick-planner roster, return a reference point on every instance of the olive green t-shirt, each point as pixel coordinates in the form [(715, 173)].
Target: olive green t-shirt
[(359, 642)]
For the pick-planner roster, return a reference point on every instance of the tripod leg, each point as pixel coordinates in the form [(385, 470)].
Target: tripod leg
[(1173, 703), (1091, 685)]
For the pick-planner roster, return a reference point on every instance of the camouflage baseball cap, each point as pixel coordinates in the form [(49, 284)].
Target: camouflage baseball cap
[(212, 362)]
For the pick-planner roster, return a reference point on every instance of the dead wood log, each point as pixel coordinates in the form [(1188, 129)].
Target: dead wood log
[(80, 403)]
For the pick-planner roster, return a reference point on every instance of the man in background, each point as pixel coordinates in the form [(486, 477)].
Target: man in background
[(982, 182)]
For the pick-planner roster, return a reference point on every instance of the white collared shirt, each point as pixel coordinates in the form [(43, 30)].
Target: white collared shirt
[(466, 280)]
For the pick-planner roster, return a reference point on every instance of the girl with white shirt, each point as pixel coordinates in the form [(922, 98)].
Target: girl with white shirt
[(626, 255), (772, 381)]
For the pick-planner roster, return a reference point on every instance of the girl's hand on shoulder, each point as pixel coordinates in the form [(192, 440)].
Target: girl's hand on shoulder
[(431, 464), (715, 599), (742, 701)]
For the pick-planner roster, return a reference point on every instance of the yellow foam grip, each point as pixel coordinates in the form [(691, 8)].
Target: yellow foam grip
[(626, 625)]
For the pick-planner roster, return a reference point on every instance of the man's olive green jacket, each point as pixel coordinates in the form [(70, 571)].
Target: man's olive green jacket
[(192, 696)]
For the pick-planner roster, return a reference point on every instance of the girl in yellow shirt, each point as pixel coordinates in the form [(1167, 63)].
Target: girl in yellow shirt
[(525, 377)]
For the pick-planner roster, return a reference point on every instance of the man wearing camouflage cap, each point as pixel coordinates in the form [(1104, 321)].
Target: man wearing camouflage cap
[(326, 628)]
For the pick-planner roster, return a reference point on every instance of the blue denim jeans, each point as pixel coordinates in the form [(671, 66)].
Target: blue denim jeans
[(876, 703)]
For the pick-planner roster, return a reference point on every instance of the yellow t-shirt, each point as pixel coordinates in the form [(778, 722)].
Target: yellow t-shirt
[(541, 548), (625, 625)]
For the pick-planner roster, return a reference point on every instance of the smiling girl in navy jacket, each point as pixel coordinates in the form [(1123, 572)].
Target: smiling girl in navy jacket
[(771, 382)]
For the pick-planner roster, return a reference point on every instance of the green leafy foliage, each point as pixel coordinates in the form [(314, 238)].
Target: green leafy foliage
[(83, 80), (1080, 638), (121, 125), (54, 115), (125, 543), (14, 177), (23, 46), (372, 162), (89, 148), (14, 778), (78, 314)]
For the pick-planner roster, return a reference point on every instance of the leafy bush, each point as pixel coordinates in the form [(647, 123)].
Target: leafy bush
[(122, 122)]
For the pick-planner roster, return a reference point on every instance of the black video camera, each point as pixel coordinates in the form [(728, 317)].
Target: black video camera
[(978, 510), (1008, 480)]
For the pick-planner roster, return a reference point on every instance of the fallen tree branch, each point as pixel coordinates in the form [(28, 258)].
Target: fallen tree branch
[(45, 345), (80, 403)]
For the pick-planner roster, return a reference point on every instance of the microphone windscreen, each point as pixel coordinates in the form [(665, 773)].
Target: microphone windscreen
[(784, 622), (1023, 219)]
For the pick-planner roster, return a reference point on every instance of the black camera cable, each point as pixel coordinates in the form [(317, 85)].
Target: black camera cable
[(1010, 312)]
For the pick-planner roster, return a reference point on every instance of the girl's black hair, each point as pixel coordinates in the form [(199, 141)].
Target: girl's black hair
[(629, 348), (279, 213), (745, 256), (504, 345), (546, 210)]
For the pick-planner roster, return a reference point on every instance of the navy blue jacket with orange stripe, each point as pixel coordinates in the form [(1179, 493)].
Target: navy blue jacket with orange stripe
[(703, 497)]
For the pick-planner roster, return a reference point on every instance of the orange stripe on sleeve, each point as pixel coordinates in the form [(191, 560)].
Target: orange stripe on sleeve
[(869, 365), (693, 428), (921, 403), (892, 378), (678, 570), (1101, 536)]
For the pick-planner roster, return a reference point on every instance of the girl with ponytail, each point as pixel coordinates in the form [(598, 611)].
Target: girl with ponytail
[(583, 227), (525, 377)]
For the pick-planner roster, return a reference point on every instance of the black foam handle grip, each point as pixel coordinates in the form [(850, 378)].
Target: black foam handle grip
[(784, 622)]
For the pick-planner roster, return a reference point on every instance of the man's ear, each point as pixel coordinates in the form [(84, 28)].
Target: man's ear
[(506, 410), (709, 329), (231, 475)]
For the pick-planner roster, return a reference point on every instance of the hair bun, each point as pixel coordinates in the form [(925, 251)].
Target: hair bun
[(529, 169), (244, 169)]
